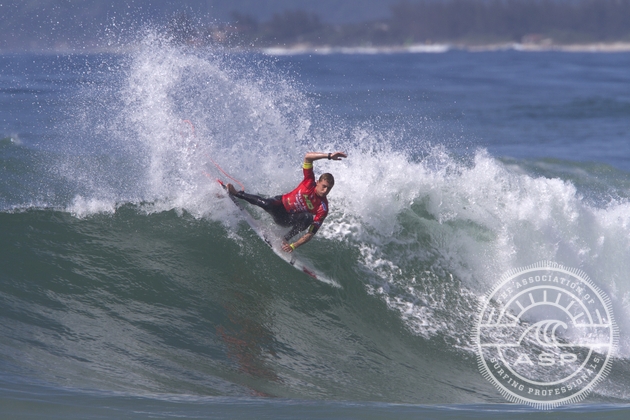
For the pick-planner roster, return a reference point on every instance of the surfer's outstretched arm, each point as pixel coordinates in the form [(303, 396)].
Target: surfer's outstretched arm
[(312, 156), (304, 239)]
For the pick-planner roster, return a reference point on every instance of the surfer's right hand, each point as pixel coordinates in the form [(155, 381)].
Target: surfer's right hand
[(337, 155)]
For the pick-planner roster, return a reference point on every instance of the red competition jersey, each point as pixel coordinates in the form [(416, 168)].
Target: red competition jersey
[(304, 199)]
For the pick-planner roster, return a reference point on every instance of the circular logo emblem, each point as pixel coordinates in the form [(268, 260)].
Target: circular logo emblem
[(545, 335)]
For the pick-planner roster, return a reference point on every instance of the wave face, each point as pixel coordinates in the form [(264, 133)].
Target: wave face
[(126, 269)]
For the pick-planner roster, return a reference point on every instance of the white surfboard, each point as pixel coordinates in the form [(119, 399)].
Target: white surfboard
[(275, 243)]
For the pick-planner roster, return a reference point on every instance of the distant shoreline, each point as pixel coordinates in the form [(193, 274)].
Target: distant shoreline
[(300, 49), (613, 47)]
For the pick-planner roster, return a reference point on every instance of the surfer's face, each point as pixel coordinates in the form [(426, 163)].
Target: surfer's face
[(322, 188)]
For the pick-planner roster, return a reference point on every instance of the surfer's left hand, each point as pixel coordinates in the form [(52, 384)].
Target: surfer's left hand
[(286, 247)]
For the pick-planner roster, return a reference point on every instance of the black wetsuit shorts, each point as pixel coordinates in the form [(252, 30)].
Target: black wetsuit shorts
[(273, 205)]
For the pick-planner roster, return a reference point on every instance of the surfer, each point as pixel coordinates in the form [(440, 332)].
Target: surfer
[(305, 207)]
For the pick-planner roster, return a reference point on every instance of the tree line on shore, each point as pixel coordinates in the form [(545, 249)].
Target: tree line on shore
[(433, 21), (89, 24)]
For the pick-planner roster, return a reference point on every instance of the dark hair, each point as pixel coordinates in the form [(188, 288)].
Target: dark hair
[(327, 177)]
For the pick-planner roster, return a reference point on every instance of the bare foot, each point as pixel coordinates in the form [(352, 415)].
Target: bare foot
[(231, 189)]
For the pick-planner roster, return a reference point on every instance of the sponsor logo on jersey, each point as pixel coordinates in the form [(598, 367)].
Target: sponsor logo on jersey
[(308, 202)]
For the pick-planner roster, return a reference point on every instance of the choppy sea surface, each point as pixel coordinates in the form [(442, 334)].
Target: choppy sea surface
[(130, 287)]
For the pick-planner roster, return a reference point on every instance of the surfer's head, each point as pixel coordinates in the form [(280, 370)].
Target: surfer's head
[(324, 185)]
